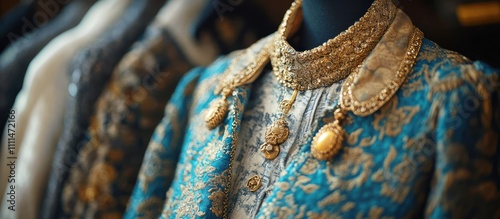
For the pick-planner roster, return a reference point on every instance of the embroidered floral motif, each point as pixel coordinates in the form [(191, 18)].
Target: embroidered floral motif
[(217, 199), (391, 119)]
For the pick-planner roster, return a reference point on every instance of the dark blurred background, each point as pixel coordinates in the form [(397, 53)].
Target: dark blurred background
[(470, 27)]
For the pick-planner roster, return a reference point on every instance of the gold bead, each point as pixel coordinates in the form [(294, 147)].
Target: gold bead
[(339, 114), (226, 91)]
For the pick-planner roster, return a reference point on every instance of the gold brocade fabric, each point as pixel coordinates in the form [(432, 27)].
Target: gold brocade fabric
[(336, 58)]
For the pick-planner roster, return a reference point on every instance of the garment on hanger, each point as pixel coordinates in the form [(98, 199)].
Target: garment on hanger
[(100, 182), (15, 59), (40, 108), (90, 71), (375, 122)]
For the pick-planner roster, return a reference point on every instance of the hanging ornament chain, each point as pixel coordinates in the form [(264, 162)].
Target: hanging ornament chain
[(277, 133)]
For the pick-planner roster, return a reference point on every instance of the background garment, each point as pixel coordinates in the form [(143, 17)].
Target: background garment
[(133, 104), (90, 72), (415, 156), (100, 182), (15, 59), (40, 108)]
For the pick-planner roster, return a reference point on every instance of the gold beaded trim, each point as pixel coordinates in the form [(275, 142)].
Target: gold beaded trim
[(335, 59), (247, 75), (364, 108), (329, 139), (227, 190)]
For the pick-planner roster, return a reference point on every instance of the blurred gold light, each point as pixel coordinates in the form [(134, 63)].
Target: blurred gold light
[(474, 14)]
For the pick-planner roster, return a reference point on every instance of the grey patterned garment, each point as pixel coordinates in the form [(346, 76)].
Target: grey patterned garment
[(89, 73), (259, 114), (126, 114)]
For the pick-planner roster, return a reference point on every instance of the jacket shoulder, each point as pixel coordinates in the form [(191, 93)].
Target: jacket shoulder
[(442, 63), (464, 114), (438, 70)]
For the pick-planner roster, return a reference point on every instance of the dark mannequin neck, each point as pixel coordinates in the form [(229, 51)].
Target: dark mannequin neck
[(325, 19)]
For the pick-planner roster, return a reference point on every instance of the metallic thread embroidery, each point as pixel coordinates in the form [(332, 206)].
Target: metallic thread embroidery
[(335, 59)]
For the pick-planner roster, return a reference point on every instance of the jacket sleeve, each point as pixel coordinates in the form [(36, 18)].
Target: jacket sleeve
[(466, 180)]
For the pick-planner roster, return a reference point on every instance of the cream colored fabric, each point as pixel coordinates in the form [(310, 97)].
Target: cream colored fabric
[(40, 107), (309, 106)]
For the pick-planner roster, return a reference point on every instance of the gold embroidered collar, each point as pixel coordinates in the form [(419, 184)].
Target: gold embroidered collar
[(367, 88), (335, 59)]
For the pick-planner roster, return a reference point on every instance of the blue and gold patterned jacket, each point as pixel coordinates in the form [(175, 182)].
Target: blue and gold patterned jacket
[(427, 149)]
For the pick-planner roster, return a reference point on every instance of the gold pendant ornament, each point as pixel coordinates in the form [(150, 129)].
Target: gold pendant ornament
[(218, 108), (278, 132), (232, 78), (328, 141), (216, 113)]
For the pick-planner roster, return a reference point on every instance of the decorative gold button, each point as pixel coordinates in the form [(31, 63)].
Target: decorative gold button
[(277, 132), (270, 151), (254, 183)]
